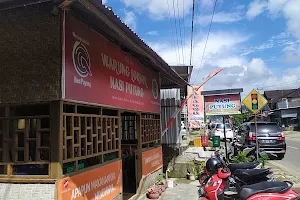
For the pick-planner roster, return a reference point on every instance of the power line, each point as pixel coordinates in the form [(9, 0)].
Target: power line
[(174, 41), (183, 13), (269, 86), (192, 33), (180, 27), (212, 17), (174, 11)]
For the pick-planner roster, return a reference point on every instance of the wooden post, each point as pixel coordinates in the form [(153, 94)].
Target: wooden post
[(139, 149), (119, 134), (56, 139)]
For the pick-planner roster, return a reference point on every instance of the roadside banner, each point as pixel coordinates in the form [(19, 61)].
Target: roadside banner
[(195, 108), (205, 80)]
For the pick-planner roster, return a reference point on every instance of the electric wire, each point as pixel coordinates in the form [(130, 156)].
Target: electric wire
[(192, 32), (180, 27), (173, 34), (174, 14), (210, 25), (279, 84)]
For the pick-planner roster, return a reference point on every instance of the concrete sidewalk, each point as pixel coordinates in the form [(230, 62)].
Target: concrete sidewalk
[(292, 133), (184, 190)]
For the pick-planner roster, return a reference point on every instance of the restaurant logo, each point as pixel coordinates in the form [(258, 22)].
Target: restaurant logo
[(154, 89), (81, 60)]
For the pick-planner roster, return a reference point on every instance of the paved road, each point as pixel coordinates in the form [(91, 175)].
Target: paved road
[(291, 161)]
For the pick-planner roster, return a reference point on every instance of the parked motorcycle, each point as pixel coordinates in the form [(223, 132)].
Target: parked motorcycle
[(204, 175), (215, 189), (243, 176)]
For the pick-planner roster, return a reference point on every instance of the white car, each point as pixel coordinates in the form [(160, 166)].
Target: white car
[(218, 130)]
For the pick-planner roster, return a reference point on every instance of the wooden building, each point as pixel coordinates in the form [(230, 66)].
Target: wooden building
[(79, 102)]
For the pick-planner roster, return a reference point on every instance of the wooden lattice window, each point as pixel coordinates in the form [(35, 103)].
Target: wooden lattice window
[(129, 127), (24, 140), (150, 130), (90, 136)]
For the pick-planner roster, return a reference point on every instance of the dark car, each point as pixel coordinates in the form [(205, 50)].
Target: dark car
[(270, 137)]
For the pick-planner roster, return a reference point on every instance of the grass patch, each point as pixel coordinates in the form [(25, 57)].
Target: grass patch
[(279, 179)]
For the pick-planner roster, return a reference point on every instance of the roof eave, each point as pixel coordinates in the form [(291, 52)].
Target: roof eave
[(107, 16)]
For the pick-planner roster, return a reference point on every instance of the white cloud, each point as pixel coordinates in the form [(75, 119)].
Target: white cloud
[(152, 33), (288, 8), (223, 50), (130, 19), (104, 1), (221, 17), (292, 52), (160, 9), (255, 8)]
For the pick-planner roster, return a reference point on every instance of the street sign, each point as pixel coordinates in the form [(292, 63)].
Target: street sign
[(254, 101)]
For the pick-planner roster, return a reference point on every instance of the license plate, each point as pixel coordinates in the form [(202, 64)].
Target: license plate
[(268, 141)]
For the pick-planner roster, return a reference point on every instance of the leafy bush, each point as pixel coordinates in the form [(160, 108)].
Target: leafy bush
[(241, 158), (263, 159)]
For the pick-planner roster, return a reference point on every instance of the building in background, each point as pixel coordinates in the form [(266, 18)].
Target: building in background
[(195, 108), (284, 107), (170, 101)]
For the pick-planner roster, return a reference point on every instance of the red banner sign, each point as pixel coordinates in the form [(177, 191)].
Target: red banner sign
[(96, 184), (195, 107), (97, 71), (152, 160)]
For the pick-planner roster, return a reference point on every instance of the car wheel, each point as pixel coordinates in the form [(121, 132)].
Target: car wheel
[(280, 156)]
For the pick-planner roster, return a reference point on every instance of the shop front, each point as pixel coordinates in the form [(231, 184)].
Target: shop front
[(127, 122), (83, 121)]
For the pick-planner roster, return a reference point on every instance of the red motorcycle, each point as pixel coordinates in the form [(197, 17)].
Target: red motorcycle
[(215, 189)]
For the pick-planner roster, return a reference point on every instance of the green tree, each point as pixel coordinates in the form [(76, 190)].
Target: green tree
[(239, 119)]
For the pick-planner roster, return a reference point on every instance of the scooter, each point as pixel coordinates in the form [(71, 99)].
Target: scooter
[(215, 189), (245, 173)]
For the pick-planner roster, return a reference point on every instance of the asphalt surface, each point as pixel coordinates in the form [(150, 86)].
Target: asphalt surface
[(291, 160)]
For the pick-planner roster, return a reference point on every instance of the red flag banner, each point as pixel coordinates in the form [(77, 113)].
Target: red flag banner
[(211, 75)]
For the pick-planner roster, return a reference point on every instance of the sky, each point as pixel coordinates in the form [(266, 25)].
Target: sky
[(258, 42)]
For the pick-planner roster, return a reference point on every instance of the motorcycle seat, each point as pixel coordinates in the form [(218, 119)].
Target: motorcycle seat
[(250, 173), (248, 165), (262, 187)]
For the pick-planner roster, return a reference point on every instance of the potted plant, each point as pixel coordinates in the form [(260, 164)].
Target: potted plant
[(153, 193), (192, 174)]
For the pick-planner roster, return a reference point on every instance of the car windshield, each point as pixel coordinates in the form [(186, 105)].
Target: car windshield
[(219, 126), (266, 128)]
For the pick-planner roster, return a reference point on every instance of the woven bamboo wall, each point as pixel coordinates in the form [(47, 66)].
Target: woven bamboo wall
[(30, 49)]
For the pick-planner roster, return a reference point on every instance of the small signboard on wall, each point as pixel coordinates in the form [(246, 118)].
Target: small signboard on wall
[(152, 160), (101, 183)]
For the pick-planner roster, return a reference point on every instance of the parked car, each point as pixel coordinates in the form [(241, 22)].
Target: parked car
[(270, 137), (183, 130), (218, 130)]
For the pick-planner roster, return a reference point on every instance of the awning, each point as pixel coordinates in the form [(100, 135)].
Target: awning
[(293, 115)]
